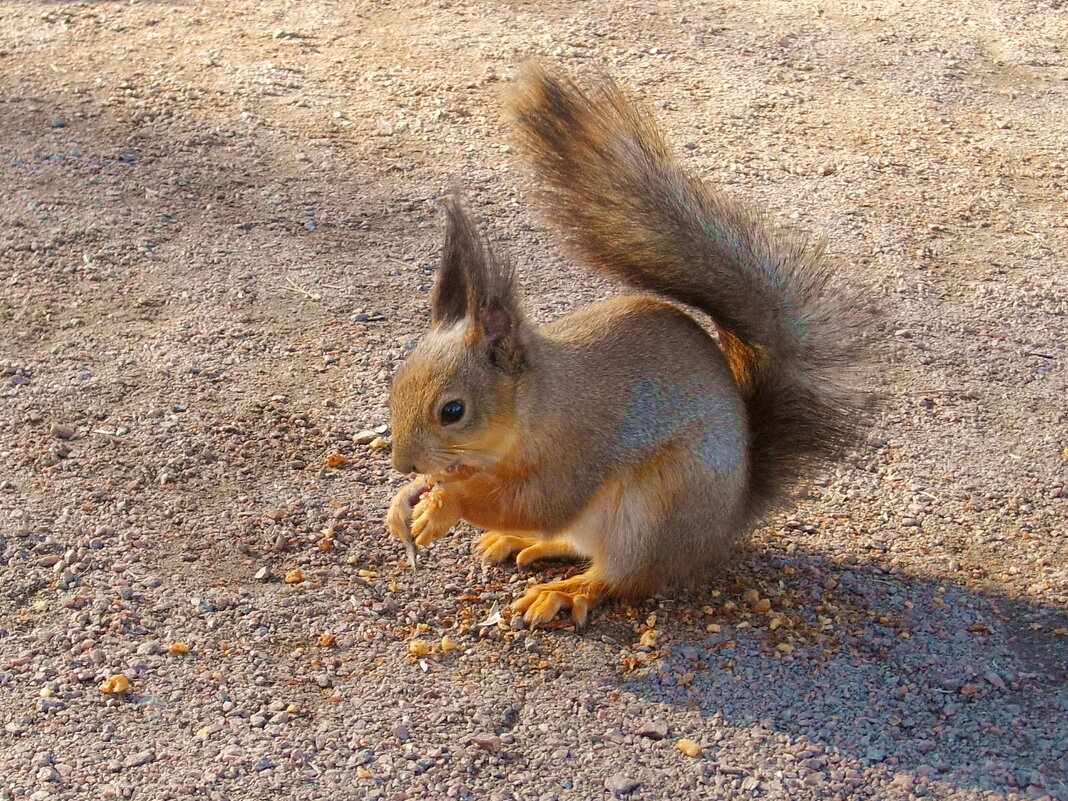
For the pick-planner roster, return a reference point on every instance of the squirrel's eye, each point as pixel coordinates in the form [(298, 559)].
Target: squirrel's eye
[(451, 412)]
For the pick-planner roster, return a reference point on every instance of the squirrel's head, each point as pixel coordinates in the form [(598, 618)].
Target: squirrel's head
[(452, 403)]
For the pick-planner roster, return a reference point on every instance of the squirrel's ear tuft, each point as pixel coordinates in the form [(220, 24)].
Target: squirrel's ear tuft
[(462, 249), (472, 285)]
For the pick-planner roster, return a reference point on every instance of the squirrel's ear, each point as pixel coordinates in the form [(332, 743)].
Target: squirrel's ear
[(452, 289), (499, 322), (473, 285)]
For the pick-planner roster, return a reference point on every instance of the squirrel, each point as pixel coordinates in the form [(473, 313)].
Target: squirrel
[(623, 434)]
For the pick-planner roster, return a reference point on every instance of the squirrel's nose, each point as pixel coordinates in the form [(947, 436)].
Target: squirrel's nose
[(403, 466)]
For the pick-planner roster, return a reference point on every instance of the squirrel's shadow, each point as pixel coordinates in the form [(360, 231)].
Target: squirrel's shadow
[(951, 685)]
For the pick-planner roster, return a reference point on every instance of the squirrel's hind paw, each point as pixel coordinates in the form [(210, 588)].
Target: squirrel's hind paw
[(542, 602), (494, 547)]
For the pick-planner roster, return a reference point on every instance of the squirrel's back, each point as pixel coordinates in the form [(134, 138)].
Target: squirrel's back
[(790, 335)]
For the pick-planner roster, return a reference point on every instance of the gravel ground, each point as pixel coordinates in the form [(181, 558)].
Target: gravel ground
[(218, 223)]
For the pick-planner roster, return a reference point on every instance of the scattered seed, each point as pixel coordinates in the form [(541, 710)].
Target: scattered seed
[(689, 747), (335, 460), (419, 648), (116, 684)]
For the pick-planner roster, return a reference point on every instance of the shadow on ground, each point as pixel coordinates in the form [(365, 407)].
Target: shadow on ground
[(949, 684)]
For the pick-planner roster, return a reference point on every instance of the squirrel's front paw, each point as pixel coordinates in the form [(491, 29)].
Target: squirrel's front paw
[(399, 517), (432, 517)]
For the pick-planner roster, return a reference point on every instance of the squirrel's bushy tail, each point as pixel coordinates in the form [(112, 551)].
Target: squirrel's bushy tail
[(628, 208)]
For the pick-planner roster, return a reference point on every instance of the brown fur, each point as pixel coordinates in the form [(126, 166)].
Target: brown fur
[(790, 331), (565, 435)]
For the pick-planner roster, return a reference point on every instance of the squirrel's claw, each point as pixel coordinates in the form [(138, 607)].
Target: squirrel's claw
[(398, 519), (542, 602)]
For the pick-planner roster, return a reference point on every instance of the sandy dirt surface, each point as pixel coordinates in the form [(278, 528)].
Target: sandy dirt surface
[(218, 225)]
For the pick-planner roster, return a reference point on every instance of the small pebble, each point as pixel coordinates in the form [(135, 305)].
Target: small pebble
[(63, 431), (364, 437), (619, 785), (654, 730), (487, 742), (140, 758)]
